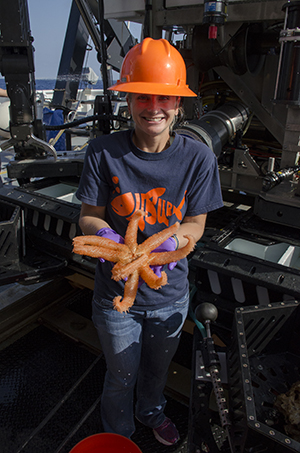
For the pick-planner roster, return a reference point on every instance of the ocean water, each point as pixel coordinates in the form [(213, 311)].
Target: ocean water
[(49, 84)]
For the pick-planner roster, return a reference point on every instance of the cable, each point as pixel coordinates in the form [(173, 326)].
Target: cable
[(86, 119), (273, 178)]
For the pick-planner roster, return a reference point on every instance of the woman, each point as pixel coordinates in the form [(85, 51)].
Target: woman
[(172, 179)]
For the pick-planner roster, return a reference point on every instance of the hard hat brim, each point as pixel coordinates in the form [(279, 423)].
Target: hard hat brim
[(159, 89)]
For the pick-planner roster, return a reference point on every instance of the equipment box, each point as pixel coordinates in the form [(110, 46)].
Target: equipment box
[(230, 279), (263, 371), (9, 233)]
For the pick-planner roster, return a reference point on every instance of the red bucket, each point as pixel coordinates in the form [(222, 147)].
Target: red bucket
[(106, 443)]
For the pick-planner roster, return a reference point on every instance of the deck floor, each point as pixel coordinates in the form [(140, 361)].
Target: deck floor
[(50, 390), (50, 397)]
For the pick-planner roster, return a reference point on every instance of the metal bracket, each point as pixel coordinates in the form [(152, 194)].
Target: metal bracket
[(32, 140), (290, 35), (244, 163)]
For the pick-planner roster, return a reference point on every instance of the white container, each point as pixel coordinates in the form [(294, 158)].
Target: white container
[(61, 191), (280, 253)]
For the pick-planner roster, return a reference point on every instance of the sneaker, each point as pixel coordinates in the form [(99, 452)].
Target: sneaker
[(166, 433)]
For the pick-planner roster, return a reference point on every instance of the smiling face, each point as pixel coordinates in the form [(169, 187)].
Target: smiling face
[(153, 114)]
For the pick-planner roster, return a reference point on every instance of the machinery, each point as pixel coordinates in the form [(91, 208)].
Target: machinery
[(243, 61)]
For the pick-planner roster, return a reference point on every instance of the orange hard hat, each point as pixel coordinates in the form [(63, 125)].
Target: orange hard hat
[(153, 67)]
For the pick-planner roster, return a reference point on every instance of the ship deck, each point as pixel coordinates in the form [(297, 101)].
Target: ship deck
[(52, 372)]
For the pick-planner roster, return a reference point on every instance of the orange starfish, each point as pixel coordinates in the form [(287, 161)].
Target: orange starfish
[(133, 260)]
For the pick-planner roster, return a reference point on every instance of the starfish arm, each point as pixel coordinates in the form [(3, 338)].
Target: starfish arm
[(102, 252), (132, 231), (133, 260), (130, 289), (152, 280), (161, 258), (121, 271), (99, 242), (157, 239)]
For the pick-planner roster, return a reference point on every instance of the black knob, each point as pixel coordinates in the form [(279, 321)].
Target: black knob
[(206, 312)]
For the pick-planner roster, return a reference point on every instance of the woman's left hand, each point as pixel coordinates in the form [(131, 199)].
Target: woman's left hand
[(168, 246)]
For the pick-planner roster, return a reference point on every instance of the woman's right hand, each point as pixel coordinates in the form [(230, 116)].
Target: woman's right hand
[(109, 234)]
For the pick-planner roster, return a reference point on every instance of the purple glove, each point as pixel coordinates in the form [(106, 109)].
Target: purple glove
[(168, 246), (109, 234)]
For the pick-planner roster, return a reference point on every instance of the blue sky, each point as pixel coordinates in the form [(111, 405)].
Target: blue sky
[(48, 23)]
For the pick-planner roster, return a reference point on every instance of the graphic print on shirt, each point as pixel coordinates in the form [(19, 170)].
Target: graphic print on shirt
[(157, 209)]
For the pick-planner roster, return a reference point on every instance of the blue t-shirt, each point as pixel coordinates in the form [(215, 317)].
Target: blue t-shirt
[(182, 180)]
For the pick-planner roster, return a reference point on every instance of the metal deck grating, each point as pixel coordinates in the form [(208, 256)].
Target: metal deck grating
[(50, 389)]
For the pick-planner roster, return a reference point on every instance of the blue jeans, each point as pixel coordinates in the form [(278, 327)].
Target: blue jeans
[(138, 348)]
